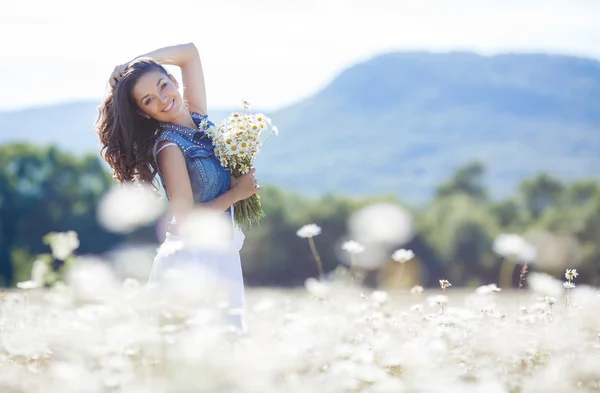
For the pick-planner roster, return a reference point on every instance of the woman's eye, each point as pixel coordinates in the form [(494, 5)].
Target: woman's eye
[(148, 101), (163, 86)]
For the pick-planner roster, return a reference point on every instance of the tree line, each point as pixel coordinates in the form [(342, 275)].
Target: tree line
[(44, 189)]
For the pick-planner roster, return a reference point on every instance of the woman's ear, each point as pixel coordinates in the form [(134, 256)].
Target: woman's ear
[(172, 78), (144, 115)]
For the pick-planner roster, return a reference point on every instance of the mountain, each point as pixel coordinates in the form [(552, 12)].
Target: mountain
[(403, 122)]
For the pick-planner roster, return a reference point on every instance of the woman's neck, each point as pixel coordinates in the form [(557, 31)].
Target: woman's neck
[(185, 120)]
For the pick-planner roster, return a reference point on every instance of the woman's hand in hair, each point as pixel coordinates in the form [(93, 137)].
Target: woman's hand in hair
[(117, 74)]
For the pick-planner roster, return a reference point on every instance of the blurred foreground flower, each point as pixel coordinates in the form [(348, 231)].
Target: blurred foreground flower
[(62, 244), (385, 223), (545, 285), (309, 232), (353, 248), (486, 289), (379, 227), (416, 290), (514, 249), (403, 256), (205, 229), (379, 297), (316, 288), (129, 206), (514, 246)]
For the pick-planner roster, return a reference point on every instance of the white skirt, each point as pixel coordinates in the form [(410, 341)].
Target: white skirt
[(219, 272)]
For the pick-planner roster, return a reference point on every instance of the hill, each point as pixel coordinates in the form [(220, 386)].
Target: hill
[(402, 122)]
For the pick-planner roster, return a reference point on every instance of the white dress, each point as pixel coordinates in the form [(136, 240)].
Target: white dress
[(218, 272)]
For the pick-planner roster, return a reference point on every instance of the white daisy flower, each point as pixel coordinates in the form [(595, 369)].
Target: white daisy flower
[(445, 284), (353, 247), (309, 230), (571, 274), (403, 256), (569, 285)]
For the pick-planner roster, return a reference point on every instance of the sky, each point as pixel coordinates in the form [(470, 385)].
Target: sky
[(271, 52)]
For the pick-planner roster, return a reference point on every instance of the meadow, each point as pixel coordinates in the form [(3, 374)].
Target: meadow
[(96, 333)]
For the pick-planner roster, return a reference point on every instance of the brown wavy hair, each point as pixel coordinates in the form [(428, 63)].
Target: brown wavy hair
[(128, 138)]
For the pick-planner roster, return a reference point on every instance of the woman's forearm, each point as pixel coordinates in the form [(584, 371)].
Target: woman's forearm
[(223, 201), (177, 55), (181, 210)]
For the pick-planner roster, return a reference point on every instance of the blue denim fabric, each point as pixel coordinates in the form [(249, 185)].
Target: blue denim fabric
[(208, 178)]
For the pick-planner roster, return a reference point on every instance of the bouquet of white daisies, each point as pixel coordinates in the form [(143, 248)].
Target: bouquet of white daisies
[(237, 141)]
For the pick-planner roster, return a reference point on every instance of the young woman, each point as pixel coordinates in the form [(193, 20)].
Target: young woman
[(146, 127)]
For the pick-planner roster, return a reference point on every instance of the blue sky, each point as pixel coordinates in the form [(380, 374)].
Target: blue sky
[(272, 52)]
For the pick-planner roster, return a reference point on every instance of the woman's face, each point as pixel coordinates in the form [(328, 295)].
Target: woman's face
[(157, 96)]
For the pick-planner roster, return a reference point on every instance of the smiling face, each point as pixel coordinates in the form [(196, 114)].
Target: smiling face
[(157, 96)]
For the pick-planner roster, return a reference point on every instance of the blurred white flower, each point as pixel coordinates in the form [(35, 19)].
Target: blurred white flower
[(204, 229), (568, 285), (316, 287), (485, 289), (381, 223), (63, 244), (379, 297), (571, 274), (29, 284), (92, 279), (545, 284), (514, 246), (402, 255), (353, 247), (127, 207), (39, 271), (416, 307), (309, 230), (549, 300), (131, 284), (417, 289)]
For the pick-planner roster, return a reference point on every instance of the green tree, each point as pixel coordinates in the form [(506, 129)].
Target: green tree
[(467, 180), (43, 189), (541, 193)]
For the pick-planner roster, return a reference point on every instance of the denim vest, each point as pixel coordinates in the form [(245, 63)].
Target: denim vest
[(208, 177)]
